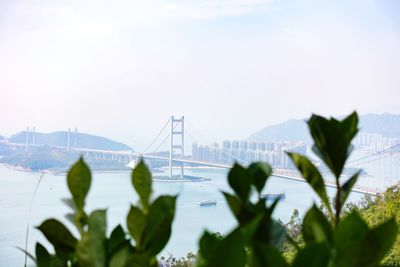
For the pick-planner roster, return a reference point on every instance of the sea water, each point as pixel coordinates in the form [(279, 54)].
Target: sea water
[(114, 192)]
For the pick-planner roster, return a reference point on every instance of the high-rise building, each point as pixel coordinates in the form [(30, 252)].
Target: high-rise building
[(253, 145), (262, 146), (235, 144), (244, 145), (226, 144), (195, 151)]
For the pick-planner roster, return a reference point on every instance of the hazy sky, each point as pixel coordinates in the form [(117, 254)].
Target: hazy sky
[(121, 68)]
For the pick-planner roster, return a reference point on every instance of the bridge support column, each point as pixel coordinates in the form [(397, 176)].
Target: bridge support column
[(177, 129)]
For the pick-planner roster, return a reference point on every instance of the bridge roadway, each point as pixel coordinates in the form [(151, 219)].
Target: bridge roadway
[(277, 172), (280, 173)]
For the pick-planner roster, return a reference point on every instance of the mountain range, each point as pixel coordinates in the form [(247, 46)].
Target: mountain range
[(385, 124)]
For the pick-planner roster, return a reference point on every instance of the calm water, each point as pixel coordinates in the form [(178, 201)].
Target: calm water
[(114, 192)]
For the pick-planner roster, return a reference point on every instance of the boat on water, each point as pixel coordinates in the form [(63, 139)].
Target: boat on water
[(273, 197), (205, 203)]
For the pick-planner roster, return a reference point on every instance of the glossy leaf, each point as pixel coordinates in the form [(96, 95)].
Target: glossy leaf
[(267, 256), (316, 228), (116, 240), (43, 257), (259, 173), (348, 238), (229, 252), (239, 181), (313, 177), (91, 249), (277, 234), (136, 222), (158, 224), (78, 180), (347, 186), (141, 180), (249, 229), (234, 204), (207, 245), (139, 260), (120, 257), (58, 235), (332, 139), (377, 243), (313, 255)]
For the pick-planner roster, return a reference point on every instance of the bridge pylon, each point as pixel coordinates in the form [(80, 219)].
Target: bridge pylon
[(177, 144)]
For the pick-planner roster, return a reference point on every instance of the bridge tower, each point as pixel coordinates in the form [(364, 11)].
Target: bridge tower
[(177, 129)]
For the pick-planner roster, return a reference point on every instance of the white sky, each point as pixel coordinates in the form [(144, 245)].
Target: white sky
[(121, 68)]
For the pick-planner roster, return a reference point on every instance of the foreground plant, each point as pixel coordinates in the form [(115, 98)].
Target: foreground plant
[(149, 227), (329, 240)]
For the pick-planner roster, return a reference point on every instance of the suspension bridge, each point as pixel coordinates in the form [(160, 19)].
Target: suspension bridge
[(173, 135)]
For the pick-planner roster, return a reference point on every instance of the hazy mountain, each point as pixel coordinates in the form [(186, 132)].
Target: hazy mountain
[(294, 130), (61, 139), (385, 124)]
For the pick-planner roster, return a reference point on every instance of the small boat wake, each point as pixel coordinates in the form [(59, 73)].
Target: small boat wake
[(207, 203)]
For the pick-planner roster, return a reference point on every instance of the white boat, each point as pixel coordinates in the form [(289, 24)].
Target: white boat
[(207, 203)]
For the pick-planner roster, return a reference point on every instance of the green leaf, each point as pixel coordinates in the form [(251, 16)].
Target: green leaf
[(141, 180), (348, 238), (79, 179), (136, 222), (259, 173), (158, 224), (332, 140), (43, 257), (207, 245), (316, 228), (377, 243), (120, 256), (140, 260), (349, 126), (116, 240), (239, 182), (91, 249), (58, 235), (313, 177), (277, 234), (229, 252), (347, 186), (249, 229), (234, 204), (267, 256), (313, 255)]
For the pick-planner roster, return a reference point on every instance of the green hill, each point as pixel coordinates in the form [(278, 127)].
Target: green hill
[(60, 139)]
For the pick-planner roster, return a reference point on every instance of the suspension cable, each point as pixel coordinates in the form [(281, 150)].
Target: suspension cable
[(158, 135), (165, 139)]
